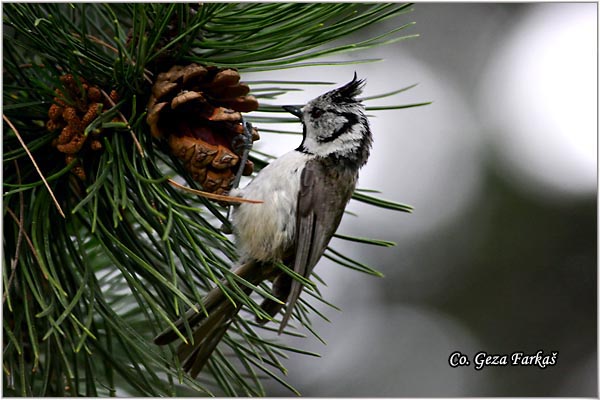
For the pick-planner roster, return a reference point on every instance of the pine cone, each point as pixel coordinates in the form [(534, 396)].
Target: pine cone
[(197, 109), (74, 108)]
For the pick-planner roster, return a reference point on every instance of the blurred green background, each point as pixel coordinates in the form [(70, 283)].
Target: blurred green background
[(500, 254)]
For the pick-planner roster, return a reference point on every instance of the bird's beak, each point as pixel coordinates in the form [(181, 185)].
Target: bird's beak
[(293, 110)]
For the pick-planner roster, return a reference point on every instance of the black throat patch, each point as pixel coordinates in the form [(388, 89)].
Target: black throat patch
[(301, 148)]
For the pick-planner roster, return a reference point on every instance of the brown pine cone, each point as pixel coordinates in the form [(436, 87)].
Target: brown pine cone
[(198, 110)]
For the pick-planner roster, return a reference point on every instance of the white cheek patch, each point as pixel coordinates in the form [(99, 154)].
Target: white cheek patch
[(329, 127), (344, 144)]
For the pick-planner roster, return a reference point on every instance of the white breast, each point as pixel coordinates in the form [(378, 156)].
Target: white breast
[(265, 231)]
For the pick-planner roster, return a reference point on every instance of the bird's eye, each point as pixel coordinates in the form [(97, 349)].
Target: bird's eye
[(316, 112)]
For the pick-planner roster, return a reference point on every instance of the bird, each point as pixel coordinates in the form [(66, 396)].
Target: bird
[(304, 194)]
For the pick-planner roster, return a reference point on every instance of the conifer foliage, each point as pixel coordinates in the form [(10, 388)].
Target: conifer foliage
[(101, 250)]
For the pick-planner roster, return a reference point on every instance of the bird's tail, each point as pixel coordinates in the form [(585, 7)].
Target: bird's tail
[(207, 336), (209, 327)]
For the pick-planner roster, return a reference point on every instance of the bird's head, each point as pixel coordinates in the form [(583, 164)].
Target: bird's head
[(335, 124)]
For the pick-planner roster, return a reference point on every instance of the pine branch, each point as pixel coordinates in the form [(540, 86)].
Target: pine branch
[(84, 293)]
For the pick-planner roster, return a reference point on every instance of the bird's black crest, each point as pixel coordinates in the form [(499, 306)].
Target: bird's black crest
[(348, 92)]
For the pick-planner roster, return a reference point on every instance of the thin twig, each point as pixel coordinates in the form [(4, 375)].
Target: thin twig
[(21, 223), (30, 65), (27, 239), (97, 40), (135, 140), (213, 196), (60, 211)]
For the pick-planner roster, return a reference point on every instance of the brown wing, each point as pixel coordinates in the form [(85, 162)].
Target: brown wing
[(325, 190)]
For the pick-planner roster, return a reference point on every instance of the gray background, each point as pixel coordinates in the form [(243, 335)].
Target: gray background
[(500, 252)]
